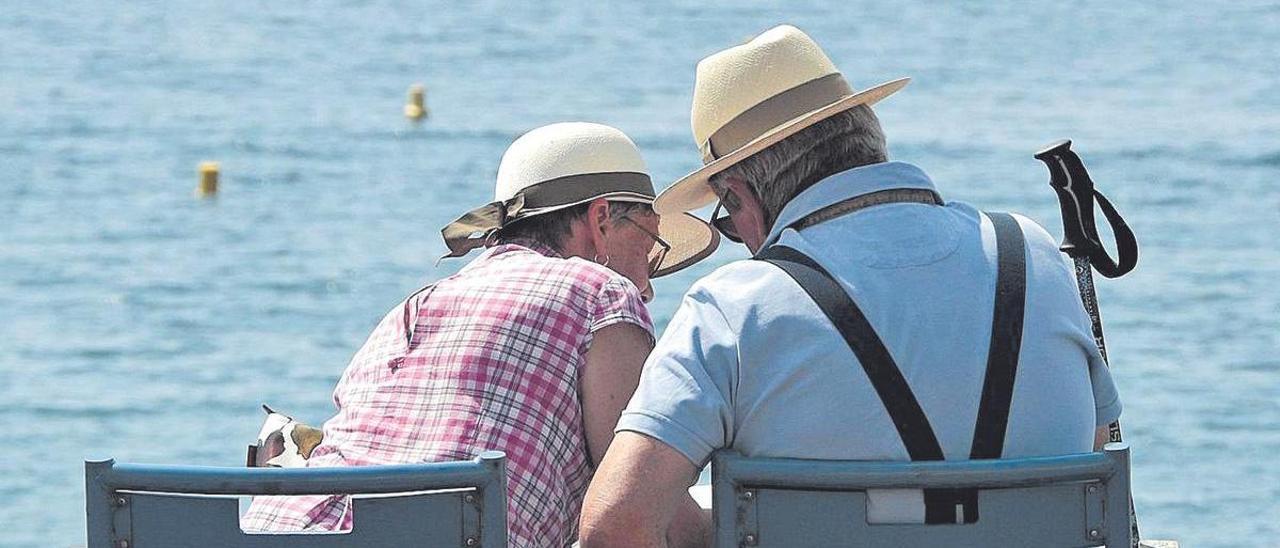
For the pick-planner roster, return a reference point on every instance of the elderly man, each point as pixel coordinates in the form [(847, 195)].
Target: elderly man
[(875, 321), (532, 349)]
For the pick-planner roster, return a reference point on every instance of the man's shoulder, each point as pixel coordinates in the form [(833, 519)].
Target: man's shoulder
[(748, 291), (1036, 235), (1045, 261), (739, 279), (1038, 238)]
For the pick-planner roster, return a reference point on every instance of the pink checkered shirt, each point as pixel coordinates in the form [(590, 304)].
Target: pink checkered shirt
[(493, 363)]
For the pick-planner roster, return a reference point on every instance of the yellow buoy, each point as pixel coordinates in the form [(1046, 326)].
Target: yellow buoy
[(416, 108), (208, 179)]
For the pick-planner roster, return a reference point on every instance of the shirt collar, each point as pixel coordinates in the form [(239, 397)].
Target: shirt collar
[(845, 185), (532, 245), (517, 245)]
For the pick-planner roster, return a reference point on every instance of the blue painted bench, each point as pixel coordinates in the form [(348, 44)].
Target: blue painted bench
[(1076, 500), (454, 504)]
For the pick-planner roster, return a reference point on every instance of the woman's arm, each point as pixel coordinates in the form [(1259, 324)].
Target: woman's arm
[(609, 378)]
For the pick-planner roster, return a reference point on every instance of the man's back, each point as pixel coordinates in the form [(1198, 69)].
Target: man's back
[(750, 362), (924, 276)]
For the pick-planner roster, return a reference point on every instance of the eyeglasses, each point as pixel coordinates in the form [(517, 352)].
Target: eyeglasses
[(725, 224), (659, 251)]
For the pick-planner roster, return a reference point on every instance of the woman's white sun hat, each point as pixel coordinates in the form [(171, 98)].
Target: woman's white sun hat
[(562, 165), (751, 96)]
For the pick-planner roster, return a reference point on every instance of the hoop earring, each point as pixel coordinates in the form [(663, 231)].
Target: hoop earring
[(596, 259)]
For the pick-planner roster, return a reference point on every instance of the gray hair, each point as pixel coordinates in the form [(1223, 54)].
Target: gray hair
[(550, 229), (778, 173)]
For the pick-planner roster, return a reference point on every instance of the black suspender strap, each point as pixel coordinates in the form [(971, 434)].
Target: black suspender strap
[(1002, 367), (886, 378), (876, 361), (1006, 338)]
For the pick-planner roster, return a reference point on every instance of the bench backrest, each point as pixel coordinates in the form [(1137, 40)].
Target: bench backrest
[(454, 504), (1076, 500)]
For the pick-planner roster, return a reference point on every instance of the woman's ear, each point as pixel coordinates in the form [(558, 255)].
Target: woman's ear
[(597, 221)]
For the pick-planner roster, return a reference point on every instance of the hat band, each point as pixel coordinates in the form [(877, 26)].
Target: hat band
[(773, 112), (472, 229), (572, 189)]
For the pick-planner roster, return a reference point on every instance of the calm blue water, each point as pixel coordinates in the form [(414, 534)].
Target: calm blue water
[(139, 322)]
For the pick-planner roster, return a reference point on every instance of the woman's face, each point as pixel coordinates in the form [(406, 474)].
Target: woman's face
[(630, 246)]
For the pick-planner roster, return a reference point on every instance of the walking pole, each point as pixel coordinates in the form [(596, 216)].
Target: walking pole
[(1080, 241)]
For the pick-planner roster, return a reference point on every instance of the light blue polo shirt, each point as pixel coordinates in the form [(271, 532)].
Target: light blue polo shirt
[(750, 362)]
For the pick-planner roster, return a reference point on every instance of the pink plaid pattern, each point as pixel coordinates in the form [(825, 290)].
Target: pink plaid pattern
[(493, 363)]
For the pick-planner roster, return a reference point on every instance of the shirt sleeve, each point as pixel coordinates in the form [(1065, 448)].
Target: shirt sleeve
[(684, 392), (1066, 294), (619, 301), (1106, 399)]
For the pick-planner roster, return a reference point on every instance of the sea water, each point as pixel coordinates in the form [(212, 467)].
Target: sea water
[(139, 322)]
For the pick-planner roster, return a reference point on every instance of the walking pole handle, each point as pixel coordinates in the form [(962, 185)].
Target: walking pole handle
[(1076, 194), (1069, 179)]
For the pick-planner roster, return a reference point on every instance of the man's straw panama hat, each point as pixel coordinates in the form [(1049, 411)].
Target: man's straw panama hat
[(751, 96), (562, 165)]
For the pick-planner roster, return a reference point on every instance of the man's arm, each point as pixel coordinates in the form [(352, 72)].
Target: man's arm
[(1100, 437), (677, 417), (609, 378), (640, 491), (691, 525)]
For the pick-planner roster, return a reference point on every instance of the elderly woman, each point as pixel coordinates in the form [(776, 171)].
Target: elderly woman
[(533, 348)]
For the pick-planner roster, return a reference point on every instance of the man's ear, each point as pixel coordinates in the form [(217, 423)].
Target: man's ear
[(750, 209), (728, 196)]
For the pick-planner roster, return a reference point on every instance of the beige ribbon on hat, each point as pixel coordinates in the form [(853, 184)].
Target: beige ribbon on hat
[(473, 228), (770, 113)]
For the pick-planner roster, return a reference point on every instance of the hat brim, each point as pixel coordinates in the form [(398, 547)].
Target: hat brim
[(691, 240), (693, 191)]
